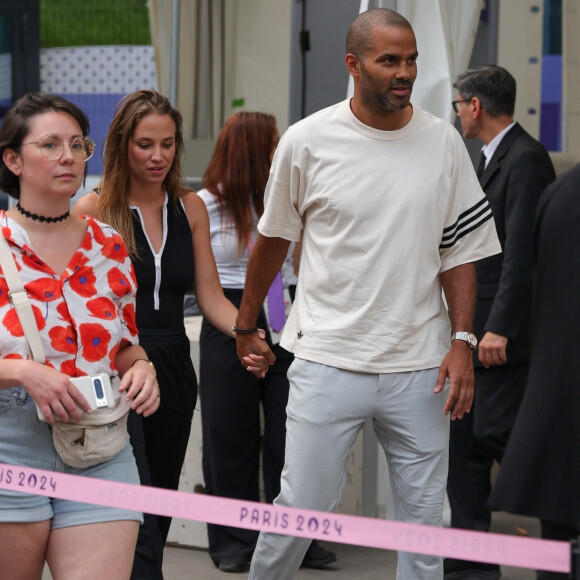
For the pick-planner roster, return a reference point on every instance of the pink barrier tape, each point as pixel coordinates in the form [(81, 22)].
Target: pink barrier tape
[(514, 551)]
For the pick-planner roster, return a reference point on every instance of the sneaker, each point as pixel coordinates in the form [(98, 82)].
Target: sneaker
[(317, 556), (234, 564)]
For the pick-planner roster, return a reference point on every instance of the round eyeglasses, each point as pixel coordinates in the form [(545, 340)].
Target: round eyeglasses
[(52, 147)]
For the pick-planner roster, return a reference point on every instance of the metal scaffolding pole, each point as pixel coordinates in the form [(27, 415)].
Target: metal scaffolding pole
[(174, 57)]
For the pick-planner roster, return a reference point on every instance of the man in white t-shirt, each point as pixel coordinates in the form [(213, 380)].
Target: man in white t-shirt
[(390, 212)]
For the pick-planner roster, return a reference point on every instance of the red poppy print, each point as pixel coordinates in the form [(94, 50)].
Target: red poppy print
[(62, 309), (129, 318), (12, 324), (44, 289), (83, 282), (4, 298), (34, 262), (94, 339), (113, 356), (98, 233), (78, 261), (87, 243), (115, 350), (63, 339), (114, 248), (102, 307), (118, 282), (83, 318), (68, 367)]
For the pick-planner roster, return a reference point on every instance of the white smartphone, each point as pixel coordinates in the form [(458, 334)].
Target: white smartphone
[(96, 389)]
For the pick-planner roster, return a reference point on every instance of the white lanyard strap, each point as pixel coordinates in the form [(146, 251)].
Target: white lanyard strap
[(20, 301)]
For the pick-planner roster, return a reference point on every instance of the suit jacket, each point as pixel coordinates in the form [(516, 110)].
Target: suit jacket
[(513, 180), (540, 470)]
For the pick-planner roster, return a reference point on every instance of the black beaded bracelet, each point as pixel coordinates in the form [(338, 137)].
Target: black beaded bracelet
[(237, 330)]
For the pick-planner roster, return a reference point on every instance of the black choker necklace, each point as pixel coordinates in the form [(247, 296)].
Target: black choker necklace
[(41, 218)]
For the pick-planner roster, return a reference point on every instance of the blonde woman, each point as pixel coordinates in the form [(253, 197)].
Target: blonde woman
[(166, 229)]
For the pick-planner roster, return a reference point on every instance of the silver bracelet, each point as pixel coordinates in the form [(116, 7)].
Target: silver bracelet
[(145, 360)]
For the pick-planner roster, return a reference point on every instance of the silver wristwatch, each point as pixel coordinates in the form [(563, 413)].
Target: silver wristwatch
[(468, 337)]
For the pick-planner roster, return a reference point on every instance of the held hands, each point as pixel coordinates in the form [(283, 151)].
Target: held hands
[(458, 366), (254, 352), (141, 388), (492, 349)]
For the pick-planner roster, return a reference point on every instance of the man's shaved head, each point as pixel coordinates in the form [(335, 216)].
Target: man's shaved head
[(359, 37)]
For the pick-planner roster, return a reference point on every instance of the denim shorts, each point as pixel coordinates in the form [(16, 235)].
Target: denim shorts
[(26, 441)]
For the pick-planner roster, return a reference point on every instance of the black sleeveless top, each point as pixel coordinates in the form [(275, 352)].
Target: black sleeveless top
[(163, 279)]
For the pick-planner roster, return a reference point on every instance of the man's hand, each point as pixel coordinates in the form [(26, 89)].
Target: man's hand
[(458, 366), (265, 262), (492, 349), (254, 352)]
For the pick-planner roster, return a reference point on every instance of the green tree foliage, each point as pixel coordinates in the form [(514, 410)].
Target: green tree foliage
[(93, 22)]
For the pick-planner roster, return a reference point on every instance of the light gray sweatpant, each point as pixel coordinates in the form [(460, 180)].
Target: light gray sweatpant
[(327, 408)]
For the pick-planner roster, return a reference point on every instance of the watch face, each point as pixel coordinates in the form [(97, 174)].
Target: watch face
[(468, 337)]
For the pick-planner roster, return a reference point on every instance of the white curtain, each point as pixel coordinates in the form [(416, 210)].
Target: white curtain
[(234, 55), (445, 31), (194, 60)]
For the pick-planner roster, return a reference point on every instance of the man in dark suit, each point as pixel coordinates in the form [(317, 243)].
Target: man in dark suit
[(513, 171), (540, 473)]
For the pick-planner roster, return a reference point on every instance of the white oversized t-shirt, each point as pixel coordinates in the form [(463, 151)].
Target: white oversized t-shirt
[(381, 214)]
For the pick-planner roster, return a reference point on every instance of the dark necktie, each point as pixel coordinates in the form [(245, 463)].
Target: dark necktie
[(481, 165)]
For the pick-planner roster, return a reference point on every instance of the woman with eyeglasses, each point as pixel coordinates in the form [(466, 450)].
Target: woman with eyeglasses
[(166, 229), (80, 282)]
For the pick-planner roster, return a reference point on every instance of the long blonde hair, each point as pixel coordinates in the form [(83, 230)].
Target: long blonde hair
[(113, 206)]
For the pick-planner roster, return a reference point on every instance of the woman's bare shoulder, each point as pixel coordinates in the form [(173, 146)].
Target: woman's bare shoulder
[(190, 198), (194, 206), (86, 205)]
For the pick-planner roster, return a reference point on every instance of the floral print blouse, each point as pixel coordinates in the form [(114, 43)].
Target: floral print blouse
[(83, 315)]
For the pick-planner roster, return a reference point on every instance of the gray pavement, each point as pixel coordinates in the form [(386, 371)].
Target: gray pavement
[(354, 562)]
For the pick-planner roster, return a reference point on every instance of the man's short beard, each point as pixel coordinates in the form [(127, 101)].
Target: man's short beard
[(382, 104)]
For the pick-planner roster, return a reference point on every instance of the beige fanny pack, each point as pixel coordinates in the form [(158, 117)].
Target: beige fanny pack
[(96, 438)]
